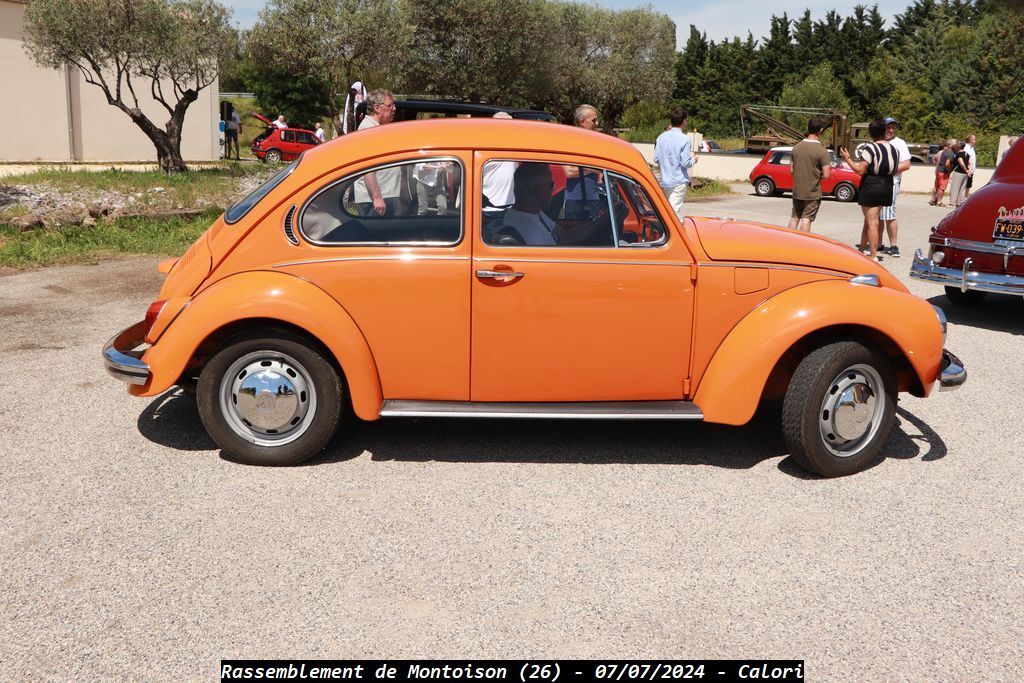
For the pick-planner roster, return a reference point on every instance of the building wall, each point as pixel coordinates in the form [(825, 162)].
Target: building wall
[(36, 111)]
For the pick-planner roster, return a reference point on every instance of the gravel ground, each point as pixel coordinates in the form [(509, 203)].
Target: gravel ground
[(129, 549)]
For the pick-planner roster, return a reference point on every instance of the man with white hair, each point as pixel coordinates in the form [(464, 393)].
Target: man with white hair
[(380, 192), (586, 117)]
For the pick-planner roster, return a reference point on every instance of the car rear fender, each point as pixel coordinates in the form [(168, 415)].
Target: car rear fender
[(738, 373), (262, 298)]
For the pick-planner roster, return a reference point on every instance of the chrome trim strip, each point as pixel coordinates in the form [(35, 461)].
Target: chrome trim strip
[(924, 269), (970, 245), (598, 410), (389, 257), (871, 280), (121, 360), (484, 259), (404, 162), (953, 374), (942, 321)]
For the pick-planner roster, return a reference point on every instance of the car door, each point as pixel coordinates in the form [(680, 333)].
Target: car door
[(780, 167), (608, 320), (402, 276), (289, 149)]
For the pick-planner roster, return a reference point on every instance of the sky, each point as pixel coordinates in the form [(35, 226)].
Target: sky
[(719, 19)]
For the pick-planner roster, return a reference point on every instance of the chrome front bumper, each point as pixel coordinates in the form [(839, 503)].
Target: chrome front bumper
[(122, 361), (951, 372), (966, 279)]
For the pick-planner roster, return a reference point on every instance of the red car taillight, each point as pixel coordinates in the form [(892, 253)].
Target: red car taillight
[(152, 313)]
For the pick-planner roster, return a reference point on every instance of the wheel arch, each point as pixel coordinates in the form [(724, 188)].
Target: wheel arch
[(790, 325), (261, 299)]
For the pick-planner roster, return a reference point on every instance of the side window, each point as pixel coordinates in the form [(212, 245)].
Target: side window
[(288, 136), (541, 204), (306, 138), (636, 221), (781, 158), (401, 204)]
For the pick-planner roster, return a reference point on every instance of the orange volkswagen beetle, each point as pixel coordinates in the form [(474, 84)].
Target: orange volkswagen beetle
[(494, 268)]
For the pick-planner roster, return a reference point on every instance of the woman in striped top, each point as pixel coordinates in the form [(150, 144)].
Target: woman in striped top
[(878, 162)]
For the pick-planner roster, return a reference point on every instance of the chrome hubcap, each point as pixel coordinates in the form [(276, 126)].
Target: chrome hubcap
[(852, 410), (267, 398), (763, 187)]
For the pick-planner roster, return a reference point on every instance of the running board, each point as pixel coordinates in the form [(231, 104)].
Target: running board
[(598, 410)]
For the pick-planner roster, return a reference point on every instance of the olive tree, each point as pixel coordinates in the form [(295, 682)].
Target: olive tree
[(166, 49), (611, 59), (330, 42)]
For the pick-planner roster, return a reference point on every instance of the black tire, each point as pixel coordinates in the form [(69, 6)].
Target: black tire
[(845, 192), (764, 187), (272, 156), (971, 297), (826, 375), (283, 384)]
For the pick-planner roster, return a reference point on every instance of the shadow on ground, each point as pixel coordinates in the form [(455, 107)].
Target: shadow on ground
[(172, 420), (998, 312)]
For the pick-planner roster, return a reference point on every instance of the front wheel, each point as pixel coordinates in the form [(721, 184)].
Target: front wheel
[(845, 192), (273, 156), (839, 409), (971, 297), (764, 187), (269, 398)]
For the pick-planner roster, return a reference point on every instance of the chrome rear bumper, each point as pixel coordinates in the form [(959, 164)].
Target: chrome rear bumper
[(966, 279), (952, 372), (121, 358)]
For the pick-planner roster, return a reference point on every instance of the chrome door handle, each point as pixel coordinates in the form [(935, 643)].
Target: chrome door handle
[(499, 274)]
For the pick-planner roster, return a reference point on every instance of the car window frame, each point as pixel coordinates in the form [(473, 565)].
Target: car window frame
[(373, 169), (605, 172)]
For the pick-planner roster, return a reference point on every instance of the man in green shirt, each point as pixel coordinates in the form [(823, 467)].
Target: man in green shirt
[(811, 164)]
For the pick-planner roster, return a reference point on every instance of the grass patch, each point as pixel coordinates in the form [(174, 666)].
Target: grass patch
[(129, 181), (159, 237), (709, 187)]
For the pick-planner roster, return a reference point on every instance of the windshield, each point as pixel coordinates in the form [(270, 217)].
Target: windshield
[(236, 212)]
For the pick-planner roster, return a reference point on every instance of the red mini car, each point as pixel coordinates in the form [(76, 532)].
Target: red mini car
[(773, 175), (979, 247), (281, 144)]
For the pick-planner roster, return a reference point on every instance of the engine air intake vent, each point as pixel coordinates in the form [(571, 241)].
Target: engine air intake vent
[(289, 231)]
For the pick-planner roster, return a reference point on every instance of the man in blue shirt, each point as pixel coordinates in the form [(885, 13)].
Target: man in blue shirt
[(673, 153)]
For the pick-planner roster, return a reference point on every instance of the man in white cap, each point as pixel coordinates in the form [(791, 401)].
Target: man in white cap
[(888, 214)]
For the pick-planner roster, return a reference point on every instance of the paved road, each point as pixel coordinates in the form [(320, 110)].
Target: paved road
[(129, 549)]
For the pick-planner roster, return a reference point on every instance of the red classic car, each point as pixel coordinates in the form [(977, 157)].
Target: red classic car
[(773, 175), (979, 247), (281, 144)]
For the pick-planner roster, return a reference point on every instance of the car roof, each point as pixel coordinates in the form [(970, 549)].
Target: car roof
[(475, 133), (421, 106)]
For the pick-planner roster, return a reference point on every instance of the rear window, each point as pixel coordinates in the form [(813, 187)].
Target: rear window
[(238, 211)]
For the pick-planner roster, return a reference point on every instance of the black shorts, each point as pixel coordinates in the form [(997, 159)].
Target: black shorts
[(970, 181), (230, 134), (875, 190)]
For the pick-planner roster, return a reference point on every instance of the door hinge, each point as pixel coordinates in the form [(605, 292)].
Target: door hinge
[(686, 388), (693, 272)]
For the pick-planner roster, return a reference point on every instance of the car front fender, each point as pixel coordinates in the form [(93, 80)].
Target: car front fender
[(735, 379), (264, 297)]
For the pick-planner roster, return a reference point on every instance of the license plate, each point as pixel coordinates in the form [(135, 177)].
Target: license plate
[(1009, 229)]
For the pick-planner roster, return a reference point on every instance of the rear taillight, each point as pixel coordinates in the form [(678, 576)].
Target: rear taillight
[(152, 314)]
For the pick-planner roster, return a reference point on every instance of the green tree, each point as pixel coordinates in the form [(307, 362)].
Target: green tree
[(166, 49), (330, 43), (480, 50)]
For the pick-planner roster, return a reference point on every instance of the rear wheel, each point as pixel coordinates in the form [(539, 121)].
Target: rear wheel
[(764, 187), (273, 156), (269, 398), (845, 192), (971, 297), (839, 409)]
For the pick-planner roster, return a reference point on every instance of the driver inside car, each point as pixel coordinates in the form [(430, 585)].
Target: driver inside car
[(526, 221)]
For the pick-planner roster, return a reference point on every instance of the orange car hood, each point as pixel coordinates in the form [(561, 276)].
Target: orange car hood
[(726, 240)]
